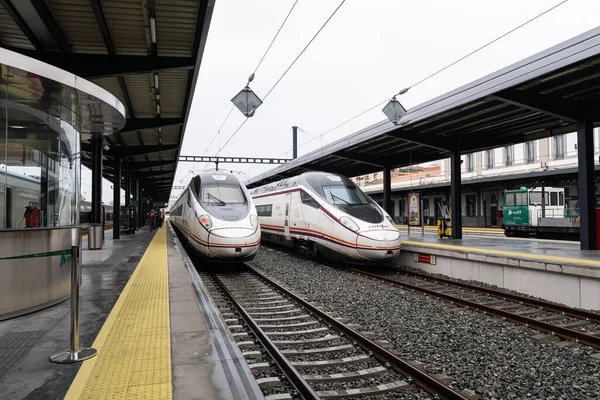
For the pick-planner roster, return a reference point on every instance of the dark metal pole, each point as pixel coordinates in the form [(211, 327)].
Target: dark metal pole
[(387, 191), (117, 194), (587, 203), (455, 191), (138, 195), (294, 141), (543, 201), (74, 354), (96, 214)]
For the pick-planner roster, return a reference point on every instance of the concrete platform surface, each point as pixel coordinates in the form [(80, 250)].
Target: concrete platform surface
[(552, 250), (551, 269), (145, 310)]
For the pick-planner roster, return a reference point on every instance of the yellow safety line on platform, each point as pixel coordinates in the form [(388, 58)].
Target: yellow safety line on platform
[(134, 345), (529, 257)]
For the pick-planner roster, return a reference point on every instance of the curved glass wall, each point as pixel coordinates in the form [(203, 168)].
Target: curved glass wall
[(40, 123)]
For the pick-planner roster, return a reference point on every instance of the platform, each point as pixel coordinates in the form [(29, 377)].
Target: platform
[(145, 310), (551, 269)]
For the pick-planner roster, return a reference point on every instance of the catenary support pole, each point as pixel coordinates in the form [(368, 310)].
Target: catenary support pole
[(294, 141)]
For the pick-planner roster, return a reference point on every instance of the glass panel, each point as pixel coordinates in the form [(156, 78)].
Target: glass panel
[(41, 152), (509, 199), (553, 199), (5, 201), (561, 199), (222, 193), (521, 198)]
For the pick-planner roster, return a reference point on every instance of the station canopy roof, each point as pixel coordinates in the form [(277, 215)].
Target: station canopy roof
[(544, 95), (146, 53)]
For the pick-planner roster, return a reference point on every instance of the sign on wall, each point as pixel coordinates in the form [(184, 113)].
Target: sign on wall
[(414, 209)]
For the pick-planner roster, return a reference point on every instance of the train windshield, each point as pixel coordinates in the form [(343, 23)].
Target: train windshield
[(341, 193), (222, 195)]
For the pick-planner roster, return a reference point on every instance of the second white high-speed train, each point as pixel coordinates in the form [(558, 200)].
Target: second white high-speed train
[(327, 214), (217, 216)]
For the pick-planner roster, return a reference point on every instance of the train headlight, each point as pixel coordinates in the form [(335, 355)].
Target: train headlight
[(254, 220), (348, 223), (205, 221)]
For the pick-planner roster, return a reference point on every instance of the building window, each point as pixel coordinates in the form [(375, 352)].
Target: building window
[(530, 148), (509, 155), (489, 156), (470, 162), (559, 147), (471, 205)]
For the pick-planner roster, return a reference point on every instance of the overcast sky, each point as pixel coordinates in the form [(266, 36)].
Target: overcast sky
[(367, 52)]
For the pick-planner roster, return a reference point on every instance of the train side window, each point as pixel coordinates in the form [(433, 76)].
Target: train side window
[(561, 199), (264, 210), (189, 199), (553, 198), (308, 200)]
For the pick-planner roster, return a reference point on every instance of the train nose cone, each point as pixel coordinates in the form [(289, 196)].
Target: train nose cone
[(382, 234), (379, 245), (234, 242)]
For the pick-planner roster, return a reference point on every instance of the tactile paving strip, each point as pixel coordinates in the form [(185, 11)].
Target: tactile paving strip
[(134, 348), (14, 346)]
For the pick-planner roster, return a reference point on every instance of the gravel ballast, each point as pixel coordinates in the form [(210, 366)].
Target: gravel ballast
[(497, 359)]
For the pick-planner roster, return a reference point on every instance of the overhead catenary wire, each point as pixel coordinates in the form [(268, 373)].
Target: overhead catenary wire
[(292, 64), (275, 37), (447, 66), (255, 71), (428, 77)]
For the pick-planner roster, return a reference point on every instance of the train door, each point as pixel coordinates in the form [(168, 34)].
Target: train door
[(286, 218)]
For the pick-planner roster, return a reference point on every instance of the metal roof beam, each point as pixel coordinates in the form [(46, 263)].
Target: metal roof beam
[(16, 17), (149, 174), (548, 105), (349, 155), (439, 143), (93, 66), (136, 124), (130, 151), (135, 165)]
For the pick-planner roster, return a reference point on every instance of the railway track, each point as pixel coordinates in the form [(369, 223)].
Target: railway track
[(554, 320), (298, 350)]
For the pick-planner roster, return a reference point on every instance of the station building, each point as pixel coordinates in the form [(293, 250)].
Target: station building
[(485, 175)]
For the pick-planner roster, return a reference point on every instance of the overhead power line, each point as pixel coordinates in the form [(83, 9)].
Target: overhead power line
[(449, 65), (254, 73), (290, 66), (304, 49), (275, 37)]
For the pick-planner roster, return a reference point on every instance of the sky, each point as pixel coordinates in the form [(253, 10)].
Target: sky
[(367, 53)]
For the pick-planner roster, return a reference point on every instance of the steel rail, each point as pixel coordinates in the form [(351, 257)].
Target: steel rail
[(558, 308), (421, 378), (301, 386), (566, 333)]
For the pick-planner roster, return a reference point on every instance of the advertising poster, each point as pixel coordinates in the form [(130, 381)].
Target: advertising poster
[(414, 209)]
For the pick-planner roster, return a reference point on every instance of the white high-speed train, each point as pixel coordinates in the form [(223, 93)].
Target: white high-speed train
[(217, 216), (327, 214)]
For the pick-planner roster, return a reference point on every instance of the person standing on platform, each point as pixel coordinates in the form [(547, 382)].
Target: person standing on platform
[(151, 218)]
